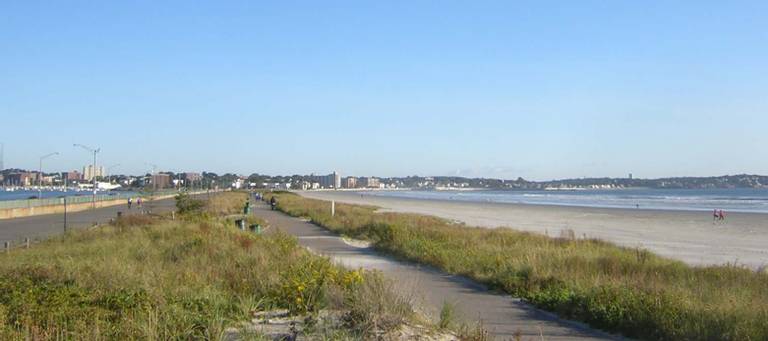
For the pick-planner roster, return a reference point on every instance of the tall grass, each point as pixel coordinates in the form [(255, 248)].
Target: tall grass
[(150, 278), (630, 291), (226, 203)]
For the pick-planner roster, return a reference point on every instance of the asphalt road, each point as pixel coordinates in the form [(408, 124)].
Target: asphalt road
[(502, 316), (44, 226)]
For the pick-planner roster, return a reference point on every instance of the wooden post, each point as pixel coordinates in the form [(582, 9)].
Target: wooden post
[(333, 208), (7, 246), (26, 243), (65, 215)]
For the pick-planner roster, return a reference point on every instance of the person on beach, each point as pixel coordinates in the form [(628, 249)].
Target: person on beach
[(130, 202), (722, 215), (715, 216)]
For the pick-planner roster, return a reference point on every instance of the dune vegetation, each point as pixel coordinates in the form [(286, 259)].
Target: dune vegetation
[(193, 277), (628, 291)]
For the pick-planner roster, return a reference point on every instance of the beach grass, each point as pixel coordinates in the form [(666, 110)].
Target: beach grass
[(624, 290), (189, 278)]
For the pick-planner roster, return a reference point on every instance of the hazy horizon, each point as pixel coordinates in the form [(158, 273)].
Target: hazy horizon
[(487, 89)]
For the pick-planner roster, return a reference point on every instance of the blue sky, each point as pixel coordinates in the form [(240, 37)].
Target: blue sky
[(538, 89)]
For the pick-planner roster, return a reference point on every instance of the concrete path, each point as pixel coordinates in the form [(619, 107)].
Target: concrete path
[(503, 316), (44, 226)]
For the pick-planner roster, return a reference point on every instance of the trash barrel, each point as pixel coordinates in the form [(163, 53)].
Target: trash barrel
[(240, 223), (256, 228)]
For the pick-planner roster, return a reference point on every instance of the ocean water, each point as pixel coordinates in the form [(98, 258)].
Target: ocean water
[(734, 200)]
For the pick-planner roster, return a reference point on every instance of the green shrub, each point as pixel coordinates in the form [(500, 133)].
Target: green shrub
[(447, 315), (373, 308), (187, 205)]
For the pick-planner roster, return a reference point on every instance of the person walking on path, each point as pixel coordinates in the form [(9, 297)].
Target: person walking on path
[(130, 202), (138, 201), (273, 203)]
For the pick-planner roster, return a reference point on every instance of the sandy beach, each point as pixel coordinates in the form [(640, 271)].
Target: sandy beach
[(688, 236)]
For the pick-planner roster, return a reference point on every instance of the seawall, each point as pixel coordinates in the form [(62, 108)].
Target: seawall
[(20, 212)]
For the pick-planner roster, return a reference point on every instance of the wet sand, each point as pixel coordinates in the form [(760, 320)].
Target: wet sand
[(689, 236)]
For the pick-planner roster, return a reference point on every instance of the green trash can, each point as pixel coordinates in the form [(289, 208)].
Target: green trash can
[(256, 228)]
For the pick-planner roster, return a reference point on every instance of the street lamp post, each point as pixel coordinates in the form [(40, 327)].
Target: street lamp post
[(93, 170), (40, 174), (109, 171), (153, 178)]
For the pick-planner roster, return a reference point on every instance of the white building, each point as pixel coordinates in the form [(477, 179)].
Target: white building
[(305, 185), (370, 182), (237, 184), (88, 172), (278, 186)]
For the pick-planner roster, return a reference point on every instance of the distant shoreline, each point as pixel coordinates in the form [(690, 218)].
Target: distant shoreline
[(695, 203), (534, 205)]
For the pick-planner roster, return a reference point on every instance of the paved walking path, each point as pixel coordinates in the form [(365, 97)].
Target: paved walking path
[(44, 226), (503, 316)]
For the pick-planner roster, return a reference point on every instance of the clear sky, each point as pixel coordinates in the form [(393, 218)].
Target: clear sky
[(539, 89)]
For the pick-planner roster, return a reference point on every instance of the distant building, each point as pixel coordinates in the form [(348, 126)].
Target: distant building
[(350, 182), (20, 179), (89, 172), (278, 185), (130, 180), (332, 180), (370, 182), (49, 179), (238, 183), (192, 179), (325, 181), (305, 185), (161, 181), (72, 176)]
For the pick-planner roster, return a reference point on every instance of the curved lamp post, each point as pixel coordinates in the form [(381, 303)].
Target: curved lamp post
[(152, 178), (93, 170), (109, 171), (40, 174)]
